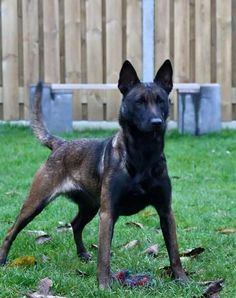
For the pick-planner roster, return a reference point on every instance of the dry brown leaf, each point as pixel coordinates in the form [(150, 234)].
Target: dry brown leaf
[(190, 229), (227, 230), (64, 227), (94, 246), (131, 244), (81, 273), (42, 239), (193, 252), (152, 250), (213, 289), (148, 213), (37, 295), (175, 177), (35, 233), (45, 259), (167, 271), (23, 261), (44, 287), (135, 224)]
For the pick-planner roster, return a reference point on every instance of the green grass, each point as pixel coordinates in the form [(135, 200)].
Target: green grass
[(204, 188)]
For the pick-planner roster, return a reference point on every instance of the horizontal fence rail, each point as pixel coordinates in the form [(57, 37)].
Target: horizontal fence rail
[(86, 42)]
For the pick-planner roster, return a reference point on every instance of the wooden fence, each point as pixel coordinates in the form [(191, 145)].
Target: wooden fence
[(86, 41)]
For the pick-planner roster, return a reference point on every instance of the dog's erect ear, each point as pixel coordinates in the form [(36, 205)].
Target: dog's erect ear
[(164, 76), (128, 77)]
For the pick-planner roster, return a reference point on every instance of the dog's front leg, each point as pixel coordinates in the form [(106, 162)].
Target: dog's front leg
[(104, 249), (107, 221), (168, 227)]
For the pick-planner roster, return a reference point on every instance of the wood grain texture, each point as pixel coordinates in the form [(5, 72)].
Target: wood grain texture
[(162, 32), (94, 41), (134, 34), (51, 41), (113, 40), (10, 59), (224, 52), (203, 41), (30, 48), (181, 39)]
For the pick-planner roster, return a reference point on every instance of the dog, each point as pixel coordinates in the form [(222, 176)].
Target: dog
[(120, 175)]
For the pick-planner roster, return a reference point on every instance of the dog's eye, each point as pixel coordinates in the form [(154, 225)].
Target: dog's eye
[(140, 102), (161, 103)]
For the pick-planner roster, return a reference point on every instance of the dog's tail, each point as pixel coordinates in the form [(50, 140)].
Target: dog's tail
[(38, 127)]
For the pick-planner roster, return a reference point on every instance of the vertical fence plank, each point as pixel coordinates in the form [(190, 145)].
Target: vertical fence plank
[(192, 42), (94, 41), (203, 41), (30, 47), (95, 104), (0, 45), (10, 59), (134, 34), (73, 50), (113, 40), (112, 101), (181, 49), (224, 48), (162, 32), (51, 41), (233, 43)]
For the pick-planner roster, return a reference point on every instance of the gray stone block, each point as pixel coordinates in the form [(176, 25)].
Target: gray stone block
[(199, 111), (56, 109)]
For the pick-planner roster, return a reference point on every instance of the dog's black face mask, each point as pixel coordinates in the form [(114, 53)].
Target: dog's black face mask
[(145, 106)]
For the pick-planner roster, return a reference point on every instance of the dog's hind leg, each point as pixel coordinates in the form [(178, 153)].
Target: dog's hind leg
[(42, 192), (84, 216)]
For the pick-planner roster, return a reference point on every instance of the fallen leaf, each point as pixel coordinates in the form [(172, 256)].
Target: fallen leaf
[(45, 259), (65, 227), (94, 246), (175, 177), (167, 271), (81, 273), (148, 213), (12, 193), (44, 286), (213, 289), (37, 295), (135, 224), (152, 250), (23, 261), (44, 290), (192, 252), (131, 244), (190, 229), (227, 230), (35, 232), (42, 239)]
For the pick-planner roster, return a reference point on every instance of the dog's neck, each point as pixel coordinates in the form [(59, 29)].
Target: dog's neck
[(143, 150)]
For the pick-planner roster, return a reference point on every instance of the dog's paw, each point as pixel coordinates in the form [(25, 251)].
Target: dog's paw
[(181, 277), (84, 256), (3, 261)]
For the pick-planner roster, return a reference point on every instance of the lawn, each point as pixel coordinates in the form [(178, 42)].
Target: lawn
[(203, 171)]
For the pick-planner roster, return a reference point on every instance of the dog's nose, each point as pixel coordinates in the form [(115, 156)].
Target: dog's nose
[(156, 121)]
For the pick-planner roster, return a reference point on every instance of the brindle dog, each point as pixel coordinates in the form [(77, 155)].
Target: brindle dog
[(120, 175)]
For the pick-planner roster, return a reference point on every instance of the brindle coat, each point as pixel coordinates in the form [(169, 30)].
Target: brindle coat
[(120, 175)]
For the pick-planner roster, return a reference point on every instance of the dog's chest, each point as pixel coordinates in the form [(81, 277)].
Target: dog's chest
[(138, 193)]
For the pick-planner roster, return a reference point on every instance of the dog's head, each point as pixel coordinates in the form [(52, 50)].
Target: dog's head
[(145, 106)]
